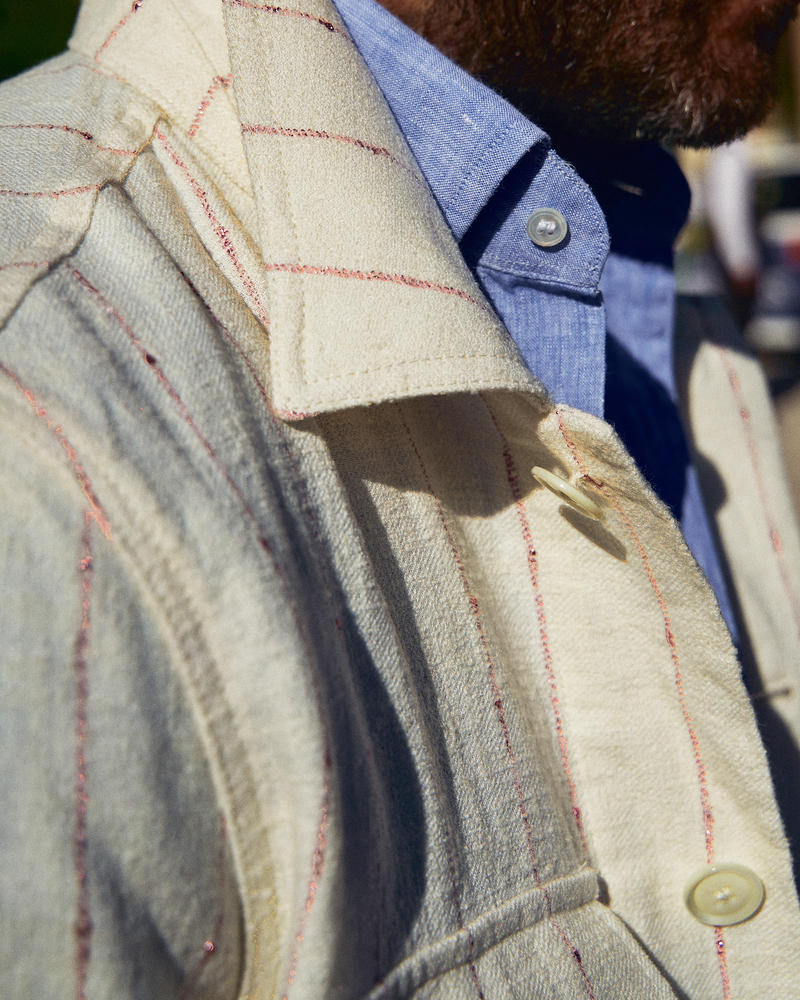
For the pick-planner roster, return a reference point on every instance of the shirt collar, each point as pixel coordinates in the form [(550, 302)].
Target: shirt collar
[(332, 239), (475, 148), (464, 136)]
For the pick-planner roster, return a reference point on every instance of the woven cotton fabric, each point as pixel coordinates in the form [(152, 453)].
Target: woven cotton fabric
[(308, 688)]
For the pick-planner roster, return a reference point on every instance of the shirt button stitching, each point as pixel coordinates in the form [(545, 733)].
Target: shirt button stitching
[(723, 895)]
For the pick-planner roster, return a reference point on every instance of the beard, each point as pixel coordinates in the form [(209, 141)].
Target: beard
[(694, 72)]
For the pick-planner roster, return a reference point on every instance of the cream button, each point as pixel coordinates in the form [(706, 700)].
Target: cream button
[(724, 894), (547, 227), (567, 492)]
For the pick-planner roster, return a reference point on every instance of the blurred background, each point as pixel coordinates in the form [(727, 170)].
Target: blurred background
[(33, 30), (742, 240)]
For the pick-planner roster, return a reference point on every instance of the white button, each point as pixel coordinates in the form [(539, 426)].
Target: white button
[(547, 227), (722, 895), (565, 491)]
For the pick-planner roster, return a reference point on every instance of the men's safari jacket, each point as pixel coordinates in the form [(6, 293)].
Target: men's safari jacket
[(309, 688)]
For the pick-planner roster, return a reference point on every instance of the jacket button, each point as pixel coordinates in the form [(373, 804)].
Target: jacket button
[(724, 894), (547, 227), (567, 492)]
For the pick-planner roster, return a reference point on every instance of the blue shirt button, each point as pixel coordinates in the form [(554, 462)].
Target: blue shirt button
[(547, 227)]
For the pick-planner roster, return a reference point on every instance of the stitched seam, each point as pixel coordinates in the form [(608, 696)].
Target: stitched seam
[(277, 360), (79, 66), (451, 865), (288, 12), (424, 959), (498, 139), (311, 518), (152, 363), (307, 133), (501, 717), (310, 515), (83, 926), (413, 361), (318, 858), (316, 874), (533, 569), (205, 683), (541, 272), (758, 475), (464, 386), (572, 177), (243, 355), (217, 228)]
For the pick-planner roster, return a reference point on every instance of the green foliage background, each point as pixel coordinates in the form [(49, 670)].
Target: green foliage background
[(33, 30)]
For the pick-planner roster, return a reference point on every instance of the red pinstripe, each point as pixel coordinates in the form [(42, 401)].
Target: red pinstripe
[(318, 859), (219, 82), (83, 926), (351, 140), (136, 5), (705, 797), (723, 963), (533, 568), (152, 362), (287, 12), (75, 131), (96, 510), (317, 867), (220, 231), (26, 263), (396, 279), (708, 815), (65, 193), (763, 495), (501, 715)]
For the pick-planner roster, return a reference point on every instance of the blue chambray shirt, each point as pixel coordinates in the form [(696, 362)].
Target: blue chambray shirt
[(593, 317)]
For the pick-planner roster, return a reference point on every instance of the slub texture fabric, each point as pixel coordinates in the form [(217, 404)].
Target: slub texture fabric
[(309, 690)]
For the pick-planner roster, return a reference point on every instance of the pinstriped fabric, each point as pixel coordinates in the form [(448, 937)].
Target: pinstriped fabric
[(317, 230), (282, 105), (430, 703), (533, 563), (612, 754), (739, 408), (76, 151)]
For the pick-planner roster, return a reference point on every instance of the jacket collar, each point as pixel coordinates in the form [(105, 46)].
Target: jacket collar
[(369, 299)]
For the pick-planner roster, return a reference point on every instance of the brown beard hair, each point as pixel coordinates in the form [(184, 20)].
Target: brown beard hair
[(697, 72)]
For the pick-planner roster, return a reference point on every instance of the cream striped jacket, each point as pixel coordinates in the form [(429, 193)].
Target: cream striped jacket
[(309, 688)]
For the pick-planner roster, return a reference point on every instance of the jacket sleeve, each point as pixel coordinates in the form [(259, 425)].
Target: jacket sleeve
[(115, 871)]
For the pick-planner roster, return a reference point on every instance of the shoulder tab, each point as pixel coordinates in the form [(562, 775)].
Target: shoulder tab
[(66, 130)]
